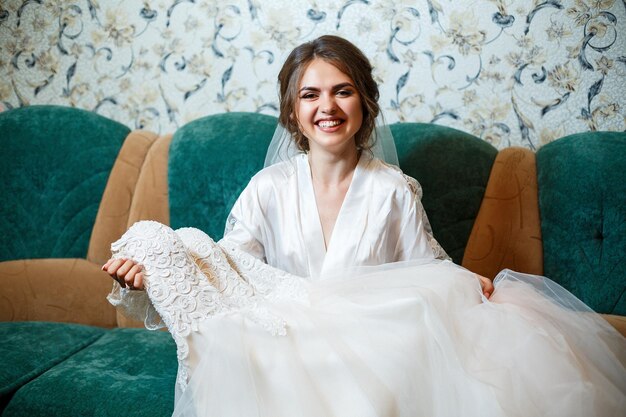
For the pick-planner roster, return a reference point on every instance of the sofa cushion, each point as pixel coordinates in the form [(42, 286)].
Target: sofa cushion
[(28, 349), (507, 231), (54, 290), (55, 164), (127, 372), (438, 156), (151, 197), (211, 160), (582, 200)]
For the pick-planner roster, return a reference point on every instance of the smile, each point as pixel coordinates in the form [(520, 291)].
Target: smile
[(329, 123)]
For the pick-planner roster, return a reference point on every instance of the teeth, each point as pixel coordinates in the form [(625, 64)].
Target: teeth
[(329, 123)]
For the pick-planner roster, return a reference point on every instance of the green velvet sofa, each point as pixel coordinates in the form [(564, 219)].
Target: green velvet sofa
[(73, 181)]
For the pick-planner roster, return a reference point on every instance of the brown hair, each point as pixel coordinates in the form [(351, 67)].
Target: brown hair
[(348, 59)]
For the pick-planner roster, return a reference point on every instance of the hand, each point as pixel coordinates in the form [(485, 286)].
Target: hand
[(126, 272), (486, 285)]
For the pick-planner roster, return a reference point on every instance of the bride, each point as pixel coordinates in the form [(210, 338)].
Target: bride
[(329, 296)]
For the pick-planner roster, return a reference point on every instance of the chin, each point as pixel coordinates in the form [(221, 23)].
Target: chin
[(332, 145)]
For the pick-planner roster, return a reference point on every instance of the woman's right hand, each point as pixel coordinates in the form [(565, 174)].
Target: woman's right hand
[(126, 272), (486, 285)]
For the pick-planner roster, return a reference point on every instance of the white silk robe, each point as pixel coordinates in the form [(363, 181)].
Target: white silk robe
[(381, 220)]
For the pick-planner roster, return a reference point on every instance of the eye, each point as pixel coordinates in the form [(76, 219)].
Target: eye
[(308, 96), (344, 93)]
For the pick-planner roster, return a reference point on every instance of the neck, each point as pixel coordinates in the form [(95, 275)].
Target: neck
[(330, 169)]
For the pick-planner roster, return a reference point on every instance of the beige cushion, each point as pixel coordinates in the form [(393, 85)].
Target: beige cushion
[(507, 230), (112, 218), (60, 290), (150, 201), (619, 322)]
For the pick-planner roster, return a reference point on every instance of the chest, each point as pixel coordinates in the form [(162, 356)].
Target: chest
[(329, 201), (329, 204)]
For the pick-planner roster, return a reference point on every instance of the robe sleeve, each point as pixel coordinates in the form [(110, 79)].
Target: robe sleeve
[(135, 305), (416, 240), (244, 225)]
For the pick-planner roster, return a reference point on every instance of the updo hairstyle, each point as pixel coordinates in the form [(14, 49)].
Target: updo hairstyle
[(348, 59)]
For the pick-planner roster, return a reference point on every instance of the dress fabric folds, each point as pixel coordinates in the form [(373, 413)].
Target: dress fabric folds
[(407, 335)]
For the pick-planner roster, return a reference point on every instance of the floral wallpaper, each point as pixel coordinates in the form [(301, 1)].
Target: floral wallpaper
[(513, 72)]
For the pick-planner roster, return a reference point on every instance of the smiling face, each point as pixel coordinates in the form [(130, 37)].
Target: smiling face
[(328, 108)]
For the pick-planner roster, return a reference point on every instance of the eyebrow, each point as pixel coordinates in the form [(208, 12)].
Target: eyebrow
[(335, 87)]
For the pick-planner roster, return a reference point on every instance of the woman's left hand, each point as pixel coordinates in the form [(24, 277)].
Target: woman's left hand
[(486, 285)]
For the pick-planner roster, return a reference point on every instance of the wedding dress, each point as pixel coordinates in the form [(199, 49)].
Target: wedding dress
[(270, 322)]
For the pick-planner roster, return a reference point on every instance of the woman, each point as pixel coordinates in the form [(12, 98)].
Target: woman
[(325, 296)]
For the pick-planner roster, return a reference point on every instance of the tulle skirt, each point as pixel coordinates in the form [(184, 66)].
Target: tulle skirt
[(412, 340)]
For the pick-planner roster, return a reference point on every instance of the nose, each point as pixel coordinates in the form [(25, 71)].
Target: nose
[(328, 104)]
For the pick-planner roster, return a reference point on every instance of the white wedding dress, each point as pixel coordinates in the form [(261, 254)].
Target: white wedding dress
[(373, 325)]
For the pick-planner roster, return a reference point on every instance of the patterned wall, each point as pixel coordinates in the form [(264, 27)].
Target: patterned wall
[(514, 72)]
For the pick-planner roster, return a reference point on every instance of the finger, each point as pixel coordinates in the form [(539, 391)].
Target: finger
[(488, 287), (123, 270), (128, 282), (112, 269), (138, 284), (484, 285), (129, 278), (106, 264), (114, 266)]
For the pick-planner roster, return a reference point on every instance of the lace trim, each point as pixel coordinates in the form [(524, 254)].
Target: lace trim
[(438, 251), (189, 278), (136, 305)]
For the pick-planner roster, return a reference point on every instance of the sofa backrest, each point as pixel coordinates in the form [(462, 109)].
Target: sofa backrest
[(582, 200), (453, 169), (55, 165), (211, 160)]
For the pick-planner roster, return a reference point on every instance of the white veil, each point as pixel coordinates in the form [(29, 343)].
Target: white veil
[(283, 148)]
